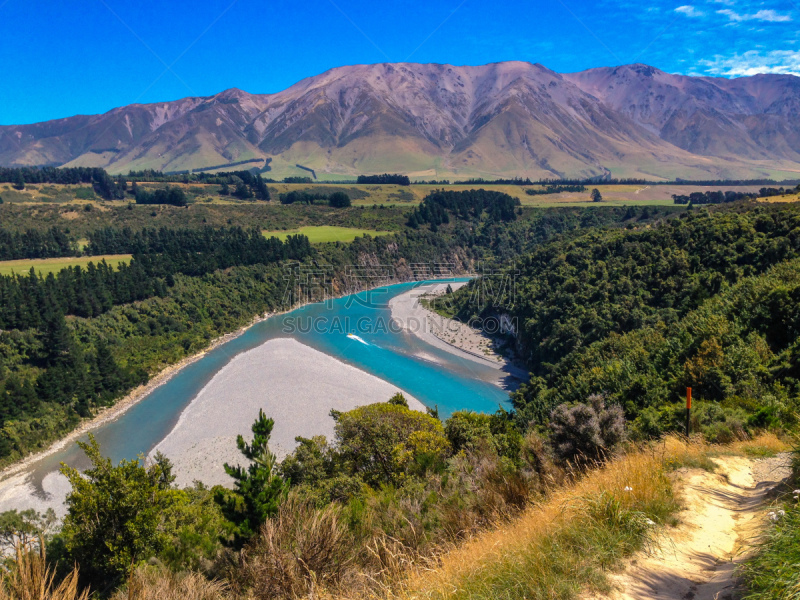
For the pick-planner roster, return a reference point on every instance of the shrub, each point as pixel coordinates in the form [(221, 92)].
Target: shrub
[(301, 549), (537, 459), (339, 200), (586, 432), (386, 442), (115, 515), (465, 428)]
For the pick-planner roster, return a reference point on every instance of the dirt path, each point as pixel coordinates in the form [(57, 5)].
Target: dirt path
[(724, 511)]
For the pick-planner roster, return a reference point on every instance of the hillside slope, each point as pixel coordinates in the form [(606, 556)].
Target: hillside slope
[(501, 119)]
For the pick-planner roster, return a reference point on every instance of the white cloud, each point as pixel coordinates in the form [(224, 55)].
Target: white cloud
[(767, 15), (689, 11), (785, 62), (725, 2)]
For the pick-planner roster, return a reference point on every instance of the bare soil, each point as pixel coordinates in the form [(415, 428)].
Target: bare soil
[(724, 514)]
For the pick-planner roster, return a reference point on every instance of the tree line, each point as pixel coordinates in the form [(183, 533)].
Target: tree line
[(158, 257), (722, 197), (556, 189), (171, 195), (678, 181), (107, 187), (32, 243), (248, 246), (335, 199), (767, 192), (718, 197), (386, 179), (481, 181), (465, 205)]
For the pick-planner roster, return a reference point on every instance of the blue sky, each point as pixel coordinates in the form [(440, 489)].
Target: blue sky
[(88, 56)]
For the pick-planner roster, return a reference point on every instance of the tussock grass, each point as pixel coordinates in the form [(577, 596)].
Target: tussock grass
[(765, 445), (29, 578), (561, 546), (152, 584), (301, 550)]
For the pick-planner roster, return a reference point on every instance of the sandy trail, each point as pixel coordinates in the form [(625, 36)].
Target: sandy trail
[(724, 513)]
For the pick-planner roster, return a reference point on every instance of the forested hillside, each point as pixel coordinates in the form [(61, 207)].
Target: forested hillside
[(619, 308), (73, 342), (707, 300), (79, 339)]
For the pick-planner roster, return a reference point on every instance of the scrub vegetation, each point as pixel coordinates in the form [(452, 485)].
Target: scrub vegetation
[(619, 309)]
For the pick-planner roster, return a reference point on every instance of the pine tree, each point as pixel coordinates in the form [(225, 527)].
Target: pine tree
[(262, 191), (259, 490), (242, 191), (107, 369)]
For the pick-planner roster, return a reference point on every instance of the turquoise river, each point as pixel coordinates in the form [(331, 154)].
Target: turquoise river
[(440, 379)]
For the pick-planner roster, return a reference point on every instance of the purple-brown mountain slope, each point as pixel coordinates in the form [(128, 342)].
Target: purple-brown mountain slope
[(502, 119)]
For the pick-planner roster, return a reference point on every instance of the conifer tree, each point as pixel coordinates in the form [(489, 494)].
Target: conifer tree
[(259, 489)]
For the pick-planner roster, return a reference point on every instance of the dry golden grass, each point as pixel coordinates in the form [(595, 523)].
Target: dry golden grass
[(559, 546), (565, 544), (29, 578), (765, 444), (300, 550), (148, 584)]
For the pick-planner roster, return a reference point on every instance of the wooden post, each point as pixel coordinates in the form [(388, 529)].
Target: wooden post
[(688, 409)]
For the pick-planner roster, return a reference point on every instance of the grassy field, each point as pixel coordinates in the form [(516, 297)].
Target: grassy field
[(376, 195), (326, 233), (785, 198), (53, 265), (613, 195)]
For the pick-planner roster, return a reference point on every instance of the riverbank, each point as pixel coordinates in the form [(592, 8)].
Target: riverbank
[(27, 484), (107, 415), (293, 384), (122, 405), (451, 335)]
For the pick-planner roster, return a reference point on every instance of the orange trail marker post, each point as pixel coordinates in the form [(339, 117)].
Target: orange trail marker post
[(688, 409)]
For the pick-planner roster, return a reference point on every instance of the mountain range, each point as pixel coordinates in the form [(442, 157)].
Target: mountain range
[(441, 121)]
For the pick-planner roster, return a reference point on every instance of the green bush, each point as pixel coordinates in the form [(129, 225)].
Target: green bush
[(116, 515), (466, 429), (384, 443), (85, 193)]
